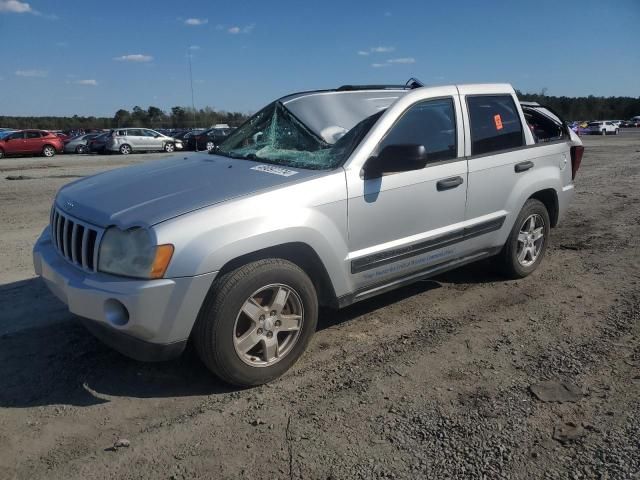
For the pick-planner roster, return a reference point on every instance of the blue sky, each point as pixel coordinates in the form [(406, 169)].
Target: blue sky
[(61, 57)]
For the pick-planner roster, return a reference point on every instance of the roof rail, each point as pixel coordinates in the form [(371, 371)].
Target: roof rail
[(410, 85)]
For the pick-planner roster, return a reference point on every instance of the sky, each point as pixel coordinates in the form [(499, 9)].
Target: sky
[(89, 57)]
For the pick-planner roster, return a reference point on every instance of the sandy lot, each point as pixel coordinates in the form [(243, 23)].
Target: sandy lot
[(430, 381)]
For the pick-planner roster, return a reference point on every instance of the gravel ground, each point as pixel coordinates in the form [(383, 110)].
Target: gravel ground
[(430, 381)]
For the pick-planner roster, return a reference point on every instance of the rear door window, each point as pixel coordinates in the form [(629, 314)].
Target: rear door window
[(32, 134), (495, 124)]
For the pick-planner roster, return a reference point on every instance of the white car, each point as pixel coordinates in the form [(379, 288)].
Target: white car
[(604, 127)]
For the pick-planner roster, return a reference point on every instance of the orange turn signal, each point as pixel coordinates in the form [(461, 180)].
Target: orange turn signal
[(161, 262)]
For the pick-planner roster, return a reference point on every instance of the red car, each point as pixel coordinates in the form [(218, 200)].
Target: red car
[(30, 142)]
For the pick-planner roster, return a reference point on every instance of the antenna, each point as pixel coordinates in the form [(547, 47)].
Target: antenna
[(193, 103)]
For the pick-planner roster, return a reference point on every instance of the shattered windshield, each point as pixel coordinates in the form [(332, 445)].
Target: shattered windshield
[(274, 135)]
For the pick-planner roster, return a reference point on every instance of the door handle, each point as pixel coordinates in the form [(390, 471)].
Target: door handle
[(448, 183), (523, 166)]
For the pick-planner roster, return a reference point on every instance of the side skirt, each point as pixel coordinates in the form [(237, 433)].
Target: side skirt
[(376, 289)]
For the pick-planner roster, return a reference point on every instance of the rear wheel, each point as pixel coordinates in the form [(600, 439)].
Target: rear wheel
[(169, 147), (125, 149), (527, 242), (1, 153), (256, 322), (48, 151), (81, 149)]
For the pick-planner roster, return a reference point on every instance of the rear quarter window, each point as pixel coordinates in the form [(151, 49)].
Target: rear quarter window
[(495, 124)]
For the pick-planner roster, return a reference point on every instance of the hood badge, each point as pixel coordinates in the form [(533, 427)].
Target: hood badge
[(69, 205)]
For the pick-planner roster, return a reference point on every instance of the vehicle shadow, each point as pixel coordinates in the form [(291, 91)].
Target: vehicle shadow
[(48, 358)]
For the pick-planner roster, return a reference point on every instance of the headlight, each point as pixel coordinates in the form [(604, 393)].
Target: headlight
[(132, 253)]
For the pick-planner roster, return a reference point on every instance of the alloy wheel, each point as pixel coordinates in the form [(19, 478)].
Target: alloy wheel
[(530, 240), (210, 146), (48, 151), (268, 325)]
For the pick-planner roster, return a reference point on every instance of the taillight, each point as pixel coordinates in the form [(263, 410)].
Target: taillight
[(576, 159)]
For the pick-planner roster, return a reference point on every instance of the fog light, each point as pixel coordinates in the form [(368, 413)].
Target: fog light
[(116, 313)]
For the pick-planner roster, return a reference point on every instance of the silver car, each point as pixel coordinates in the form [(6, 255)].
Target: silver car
[(79, 144), (320, 199), (127, 140)]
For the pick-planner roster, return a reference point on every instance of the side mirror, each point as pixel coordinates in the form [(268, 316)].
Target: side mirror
[(395, 159)]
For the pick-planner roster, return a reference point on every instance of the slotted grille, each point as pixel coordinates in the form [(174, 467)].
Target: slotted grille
[(75, 240)]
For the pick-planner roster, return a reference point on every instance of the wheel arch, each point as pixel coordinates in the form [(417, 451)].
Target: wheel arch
[(300, 254), (549, 197)]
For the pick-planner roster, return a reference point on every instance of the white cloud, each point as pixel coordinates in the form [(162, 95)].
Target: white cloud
[(402, 60), (15, 6), (194, 47), (135, 57), (246, 29), (32, 73), (382, 49), (364, 53), (194, 22), (380, 65), (93, 83)]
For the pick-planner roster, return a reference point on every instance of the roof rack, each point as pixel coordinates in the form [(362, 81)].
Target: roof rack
[(410, 85)]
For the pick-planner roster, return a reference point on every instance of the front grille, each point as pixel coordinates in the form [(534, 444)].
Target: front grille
[(75, 240)]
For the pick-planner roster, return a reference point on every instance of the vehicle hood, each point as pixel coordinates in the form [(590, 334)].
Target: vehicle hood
[(155, 191)]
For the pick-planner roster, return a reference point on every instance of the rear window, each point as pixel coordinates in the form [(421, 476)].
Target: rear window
[(495, 124), (544, 126)]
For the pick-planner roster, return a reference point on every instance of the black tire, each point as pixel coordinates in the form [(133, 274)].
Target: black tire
[(508, 256), (125, 149), (214, 331), (48, 151), (80, 149)]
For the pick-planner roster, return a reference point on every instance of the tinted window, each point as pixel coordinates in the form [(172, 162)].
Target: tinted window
[(133, 132), (32, 134), (432, 124), (16, 135), (149, 133), (495, 124)]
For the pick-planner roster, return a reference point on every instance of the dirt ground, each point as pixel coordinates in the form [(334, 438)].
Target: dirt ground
[(430, 381)]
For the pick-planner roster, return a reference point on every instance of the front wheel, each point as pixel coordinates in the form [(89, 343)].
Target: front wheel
[(617, 131), (210, 146), (48, 151), (256, 322), (527, 242), (169, 147), (125, 149)]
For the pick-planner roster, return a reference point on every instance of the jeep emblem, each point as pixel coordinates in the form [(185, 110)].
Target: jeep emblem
[(69, 205)]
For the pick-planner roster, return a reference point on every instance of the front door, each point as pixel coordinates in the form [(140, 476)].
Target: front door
[(409, 221)]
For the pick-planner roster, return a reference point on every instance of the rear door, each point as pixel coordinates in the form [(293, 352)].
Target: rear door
[(33, 141)]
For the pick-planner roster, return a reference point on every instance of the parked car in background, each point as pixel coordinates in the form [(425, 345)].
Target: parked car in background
[(604, 127), (30, 142), (127, 140), (98, 144), (79, 144), (207, 140)]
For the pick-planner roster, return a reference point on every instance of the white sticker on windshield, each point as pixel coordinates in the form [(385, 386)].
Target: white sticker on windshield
[(275, 170)]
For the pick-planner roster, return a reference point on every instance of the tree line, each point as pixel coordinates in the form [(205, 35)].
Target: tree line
[(569, 108), (152, 117)]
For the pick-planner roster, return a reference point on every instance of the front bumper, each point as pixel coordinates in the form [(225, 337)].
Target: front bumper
[(149, 320)]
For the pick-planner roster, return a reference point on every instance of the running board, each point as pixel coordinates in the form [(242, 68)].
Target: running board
[(371, 291)]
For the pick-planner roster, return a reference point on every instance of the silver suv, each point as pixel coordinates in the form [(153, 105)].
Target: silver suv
[(127, 140), (320, 199)]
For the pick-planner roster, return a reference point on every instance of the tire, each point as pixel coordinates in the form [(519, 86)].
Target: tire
[(48, 151), (80, 149), (210, 146), (616, 132), (169, 147), (511, 260), (604, 132), (222, 323), (124, 149), (1, 153)]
